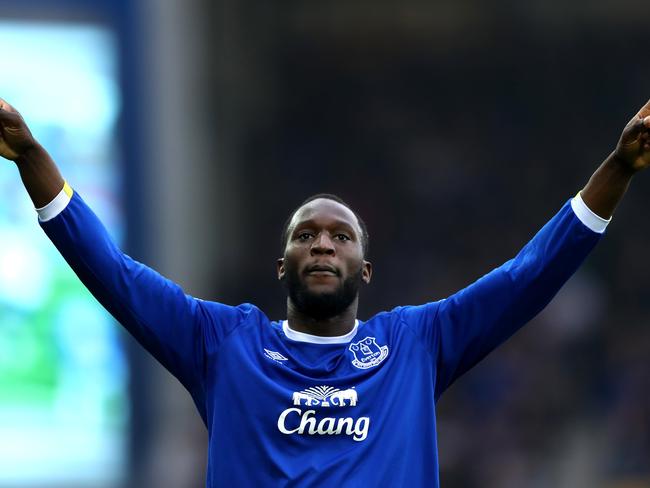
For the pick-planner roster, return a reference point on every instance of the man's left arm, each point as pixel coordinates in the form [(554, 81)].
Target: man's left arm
[(608, 184), (465, 327)]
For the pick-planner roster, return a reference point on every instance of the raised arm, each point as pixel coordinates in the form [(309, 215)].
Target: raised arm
[(608, 184), (40, 175), (465, 327), (179, 330)]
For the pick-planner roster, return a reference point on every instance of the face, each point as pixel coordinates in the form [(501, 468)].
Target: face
[(323, 265)]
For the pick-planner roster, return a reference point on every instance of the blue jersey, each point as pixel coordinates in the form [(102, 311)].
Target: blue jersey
[(285, 408)]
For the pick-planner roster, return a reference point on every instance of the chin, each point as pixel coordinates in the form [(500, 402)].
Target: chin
[(323, 289), (322, 298)]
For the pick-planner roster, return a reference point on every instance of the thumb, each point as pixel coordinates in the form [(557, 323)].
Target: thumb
[(10, 120), (6, 106), (634, 129), (15, 136), (13, 128)]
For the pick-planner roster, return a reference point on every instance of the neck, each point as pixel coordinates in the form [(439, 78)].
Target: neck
[(337, 325)]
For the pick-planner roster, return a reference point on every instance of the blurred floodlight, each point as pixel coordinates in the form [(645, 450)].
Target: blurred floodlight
[(63, 376)]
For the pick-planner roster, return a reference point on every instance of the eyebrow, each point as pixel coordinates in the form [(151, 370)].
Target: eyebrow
[(336, 223)]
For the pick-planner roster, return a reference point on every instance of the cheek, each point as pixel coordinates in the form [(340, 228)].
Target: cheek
[(293, 259), (353, 266)]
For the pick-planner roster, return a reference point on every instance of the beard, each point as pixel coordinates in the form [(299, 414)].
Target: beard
[(321, 306)]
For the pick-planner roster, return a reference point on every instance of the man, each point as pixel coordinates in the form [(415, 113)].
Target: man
[(322, 398)]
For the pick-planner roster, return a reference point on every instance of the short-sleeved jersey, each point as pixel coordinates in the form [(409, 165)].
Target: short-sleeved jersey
[(284, 408)]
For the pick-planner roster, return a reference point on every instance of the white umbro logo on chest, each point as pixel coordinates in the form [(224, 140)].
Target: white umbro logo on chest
[(276, 356)]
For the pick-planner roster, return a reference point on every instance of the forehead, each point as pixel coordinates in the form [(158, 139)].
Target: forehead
[(325, 212)]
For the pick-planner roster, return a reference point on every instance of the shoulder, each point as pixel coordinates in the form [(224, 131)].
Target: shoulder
[(241, 312), (224, 319), (413, 316)]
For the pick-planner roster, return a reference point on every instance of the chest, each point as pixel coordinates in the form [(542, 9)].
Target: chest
[(294, 388)]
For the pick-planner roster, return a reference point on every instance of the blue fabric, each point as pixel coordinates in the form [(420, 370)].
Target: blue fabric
[(287, 413)]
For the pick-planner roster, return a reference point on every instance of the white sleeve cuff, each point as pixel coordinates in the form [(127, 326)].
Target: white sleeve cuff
[(587, 216), (56, 206)]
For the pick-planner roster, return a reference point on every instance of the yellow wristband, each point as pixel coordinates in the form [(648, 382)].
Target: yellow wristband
[(66, 188), (56, 206)]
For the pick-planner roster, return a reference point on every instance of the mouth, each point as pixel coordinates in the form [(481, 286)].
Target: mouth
[(321, 270)]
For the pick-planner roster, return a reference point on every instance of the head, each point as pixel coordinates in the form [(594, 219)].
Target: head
[(324, 246)]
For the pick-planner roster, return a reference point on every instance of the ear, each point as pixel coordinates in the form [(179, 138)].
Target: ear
[(366, 271), (280, 268)]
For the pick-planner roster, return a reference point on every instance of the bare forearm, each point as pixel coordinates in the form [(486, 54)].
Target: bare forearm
[(40, 175), (606, 187), (608, 184)]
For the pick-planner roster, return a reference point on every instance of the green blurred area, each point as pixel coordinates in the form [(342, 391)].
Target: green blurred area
[(30, 362)]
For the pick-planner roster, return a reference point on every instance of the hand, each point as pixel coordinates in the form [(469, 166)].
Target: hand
[(633, 148), (15, 137)]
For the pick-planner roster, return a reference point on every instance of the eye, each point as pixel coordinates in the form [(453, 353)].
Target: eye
[(303, 236), (342, 237)]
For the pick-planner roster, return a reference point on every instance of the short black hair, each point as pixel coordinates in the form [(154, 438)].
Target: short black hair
[(365, 238)]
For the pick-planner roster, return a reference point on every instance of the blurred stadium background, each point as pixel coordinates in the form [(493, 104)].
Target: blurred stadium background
[(455, 128)]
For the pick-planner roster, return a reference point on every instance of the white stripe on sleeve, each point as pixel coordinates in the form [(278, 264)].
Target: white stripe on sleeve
[(587, 216), (56, 206)]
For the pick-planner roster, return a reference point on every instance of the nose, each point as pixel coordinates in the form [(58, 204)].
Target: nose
[(323, 244)]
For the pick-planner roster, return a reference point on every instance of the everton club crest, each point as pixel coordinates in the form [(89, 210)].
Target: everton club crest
[(367, 353)]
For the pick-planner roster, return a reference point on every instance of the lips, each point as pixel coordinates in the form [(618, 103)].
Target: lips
[(322, 269)]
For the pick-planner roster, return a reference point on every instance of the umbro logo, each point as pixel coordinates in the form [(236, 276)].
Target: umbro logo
[(276, 356)]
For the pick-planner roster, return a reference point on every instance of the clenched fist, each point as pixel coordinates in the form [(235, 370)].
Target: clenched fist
[(633, 149), (15, 137)]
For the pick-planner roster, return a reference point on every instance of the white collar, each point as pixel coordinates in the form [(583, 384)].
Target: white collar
[(314, 339)]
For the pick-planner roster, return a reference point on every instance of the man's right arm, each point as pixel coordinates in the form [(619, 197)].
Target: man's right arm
[(40, 175), (176, 328)]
